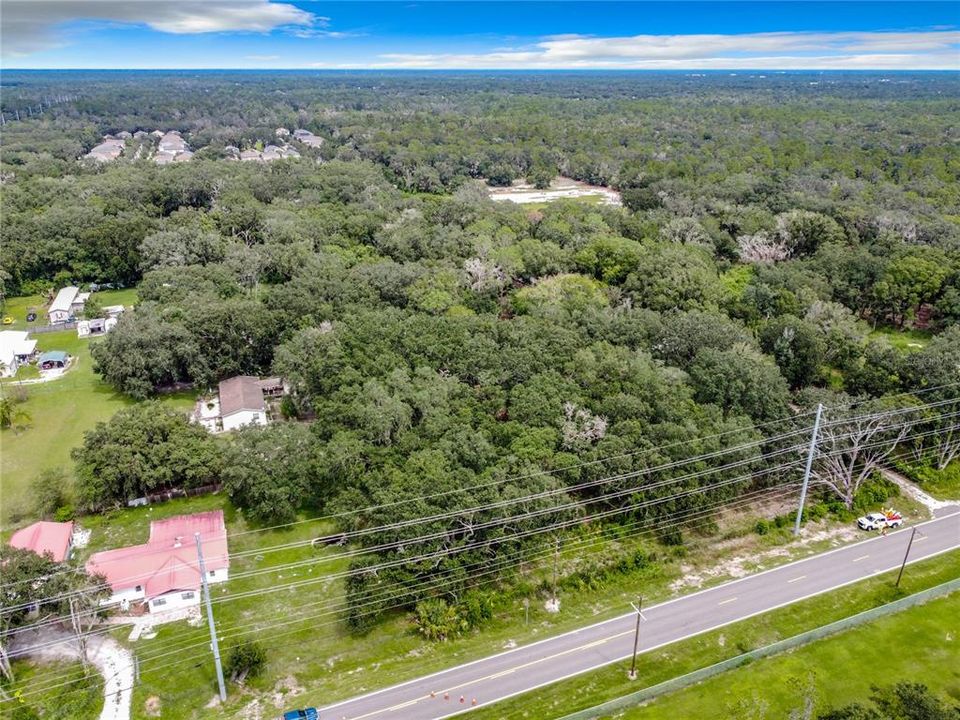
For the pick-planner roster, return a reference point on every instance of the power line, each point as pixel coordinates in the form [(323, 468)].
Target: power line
[(543, 511), (716, 453), (428, 584)]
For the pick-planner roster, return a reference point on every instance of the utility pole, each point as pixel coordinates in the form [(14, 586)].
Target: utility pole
[(636, 638), (213, 628), (556, 564), (907, 553), (806, 473)]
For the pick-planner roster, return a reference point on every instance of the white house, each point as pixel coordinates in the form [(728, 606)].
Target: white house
[(164, 574), (68, 302), (241, 400), (15, 349)]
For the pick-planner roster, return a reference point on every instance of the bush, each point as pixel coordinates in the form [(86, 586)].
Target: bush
[(476, 607), (762, 527), (64, 513), (875, 491), (671, 537), (51, 492), (438, 620), (247, 659)]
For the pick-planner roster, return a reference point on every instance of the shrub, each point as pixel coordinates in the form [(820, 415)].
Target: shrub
[(762, 527), (247, 659), (50, 491), (438, 620), (476, 607), (671, 536)]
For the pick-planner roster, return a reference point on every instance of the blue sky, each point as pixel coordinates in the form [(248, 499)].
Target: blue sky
[(480, 35)]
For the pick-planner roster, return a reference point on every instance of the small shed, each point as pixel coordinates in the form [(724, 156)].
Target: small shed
[(53, 359), (43, 537)]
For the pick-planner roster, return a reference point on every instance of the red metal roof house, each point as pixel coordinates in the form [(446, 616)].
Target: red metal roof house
[(42, 537), (165, 572)]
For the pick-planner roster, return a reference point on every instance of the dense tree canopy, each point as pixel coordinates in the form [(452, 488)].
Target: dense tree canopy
[(439, 345)]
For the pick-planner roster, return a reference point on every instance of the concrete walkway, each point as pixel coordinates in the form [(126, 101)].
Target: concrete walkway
[(936, 507)]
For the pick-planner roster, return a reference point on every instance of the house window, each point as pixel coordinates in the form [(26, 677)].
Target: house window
[(159, 601), (138, 588), (187, 596), (212, 573)]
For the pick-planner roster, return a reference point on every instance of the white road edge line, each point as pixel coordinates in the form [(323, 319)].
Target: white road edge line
[(631, 614), (687, 637)]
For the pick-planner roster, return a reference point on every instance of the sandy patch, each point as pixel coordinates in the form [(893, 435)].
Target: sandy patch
[(739, 566), (522, 193)]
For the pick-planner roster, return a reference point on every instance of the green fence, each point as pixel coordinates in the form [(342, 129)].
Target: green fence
[(633, 699)]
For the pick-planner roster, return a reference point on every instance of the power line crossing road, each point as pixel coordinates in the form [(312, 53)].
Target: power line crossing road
[(525, 668)]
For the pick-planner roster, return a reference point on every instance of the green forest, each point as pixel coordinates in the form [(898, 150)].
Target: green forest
[(782, 242)]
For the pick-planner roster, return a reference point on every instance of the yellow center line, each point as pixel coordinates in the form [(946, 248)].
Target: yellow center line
[(796, 579), (862, 557), (508, 671), (728, 600)]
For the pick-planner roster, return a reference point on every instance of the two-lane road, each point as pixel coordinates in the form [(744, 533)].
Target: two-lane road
[(530, 666)]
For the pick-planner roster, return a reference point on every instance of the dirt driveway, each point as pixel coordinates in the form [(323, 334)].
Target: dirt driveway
[(113, 661)]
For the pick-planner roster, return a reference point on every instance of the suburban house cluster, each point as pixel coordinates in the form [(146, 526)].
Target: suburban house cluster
[(164, 573), (110, 149), (241, 400), (171, 147), (269, 153)]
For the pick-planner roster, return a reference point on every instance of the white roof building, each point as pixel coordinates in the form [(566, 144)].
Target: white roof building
[(15, 347), (64, 298)]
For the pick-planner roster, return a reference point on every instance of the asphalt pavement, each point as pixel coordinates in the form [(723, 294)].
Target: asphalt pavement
[(485, 681)]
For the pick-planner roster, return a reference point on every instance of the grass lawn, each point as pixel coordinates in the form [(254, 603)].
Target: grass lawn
[(914, 658), (314, 659), (60, 411), (904, 340), (942, 484), (81, 700), (839, 670)]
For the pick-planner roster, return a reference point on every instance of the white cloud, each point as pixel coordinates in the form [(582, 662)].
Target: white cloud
[(33, 25), (261, 58), (929, 50)]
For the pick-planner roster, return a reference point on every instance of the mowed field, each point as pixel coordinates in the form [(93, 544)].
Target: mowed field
[(917, 645), (60, 411)]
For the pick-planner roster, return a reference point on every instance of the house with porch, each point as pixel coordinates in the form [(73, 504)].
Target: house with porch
[(16, 348), (164, 573)]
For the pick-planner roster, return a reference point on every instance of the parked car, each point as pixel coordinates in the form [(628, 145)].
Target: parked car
[(305, 714), (878, 520)]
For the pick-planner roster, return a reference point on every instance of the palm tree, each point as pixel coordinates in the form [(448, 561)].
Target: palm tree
[(11, 414)]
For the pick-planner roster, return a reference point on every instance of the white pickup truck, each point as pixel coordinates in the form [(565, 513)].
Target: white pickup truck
[(879, 520)]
